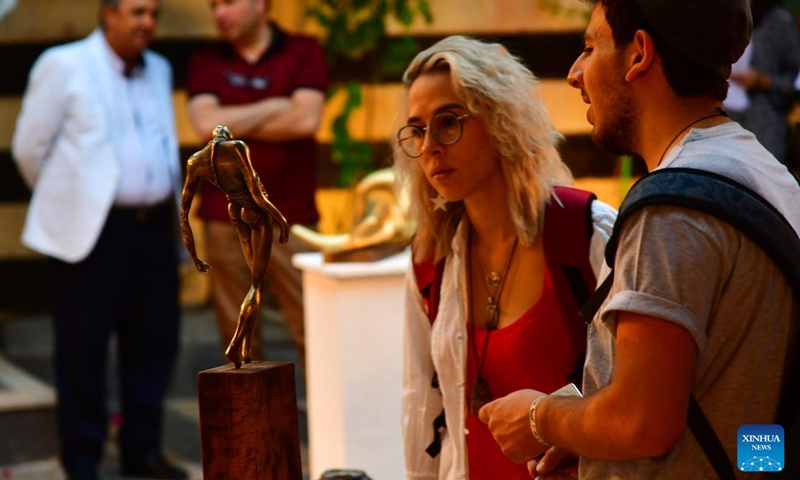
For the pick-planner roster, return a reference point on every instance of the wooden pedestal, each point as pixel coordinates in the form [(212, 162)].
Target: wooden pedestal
[(248, 422)]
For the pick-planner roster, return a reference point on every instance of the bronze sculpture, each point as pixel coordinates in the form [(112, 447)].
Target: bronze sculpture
[(381, 223), (225, 163)]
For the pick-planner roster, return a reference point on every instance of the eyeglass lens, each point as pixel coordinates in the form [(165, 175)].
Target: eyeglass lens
[(445, 128)]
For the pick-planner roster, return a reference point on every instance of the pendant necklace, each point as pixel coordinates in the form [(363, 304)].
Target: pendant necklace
[(481, 393)]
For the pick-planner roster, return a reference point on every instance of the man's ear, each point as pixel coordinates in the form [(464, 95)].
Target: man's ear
[(640, 56)]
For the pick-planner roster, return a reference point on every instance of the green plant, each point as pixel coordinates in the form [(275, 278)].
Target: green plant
[(355, 34), (793, 6)]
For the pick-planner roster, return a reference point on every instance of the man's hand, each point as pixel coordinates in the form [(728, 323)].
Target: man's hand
[(753, 80), (508, 420)]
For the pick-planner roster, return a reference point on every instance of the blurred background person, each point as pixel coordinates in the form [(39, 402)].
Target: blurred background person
[(268, 87), (96, 142), (770, 79)]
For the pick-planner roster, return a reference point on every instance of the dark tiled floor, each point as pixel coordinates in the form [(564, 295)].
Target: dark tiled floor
[(27, 342)]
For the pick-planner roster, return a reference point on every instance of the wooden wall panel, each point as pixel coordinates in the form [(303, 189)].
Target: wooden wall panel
[(375, 119), (43, 20), (9, 109), (62, 20), (506, 16), (12, 217)]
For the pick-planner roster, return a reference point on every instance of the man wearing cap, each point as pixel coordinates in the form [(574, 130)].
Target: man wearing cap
[(696, 308)]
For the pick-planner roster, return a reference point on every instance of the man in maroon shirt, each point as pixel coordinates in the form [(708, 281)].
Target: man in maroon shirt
[(268, 87)]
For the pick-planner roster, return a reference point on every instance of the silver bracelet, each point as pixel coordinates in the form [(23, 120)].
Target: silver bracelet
[(533, 421)]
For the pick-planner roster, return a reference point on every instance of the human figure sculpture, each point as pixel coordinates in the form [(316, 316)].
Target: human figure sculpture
[(225, 163)]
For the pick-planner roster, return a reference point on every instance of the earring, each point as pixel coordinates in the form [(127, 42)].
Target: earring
[(439, 202)]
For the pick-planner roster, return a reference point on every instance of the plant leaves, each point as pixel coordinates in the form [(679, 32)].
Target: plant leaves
[(355, 30), (424, 8)]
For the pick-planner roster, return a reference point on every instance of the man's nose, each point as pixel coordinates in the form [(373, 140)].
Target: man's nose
[(149, 21), (218, 12), (575, 76)]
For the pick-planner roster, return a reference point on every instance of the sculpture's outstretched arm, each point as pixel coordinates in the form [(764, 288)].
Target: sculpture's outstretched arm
[(189, 187)]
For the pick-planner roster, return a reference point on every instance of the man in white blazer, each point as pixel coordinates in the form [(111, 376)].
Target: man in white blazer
[(96, 143)]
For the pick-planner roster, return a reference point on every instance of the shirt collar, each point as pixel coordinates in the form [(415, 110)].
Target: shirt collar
[(277, 43), (697, 134)]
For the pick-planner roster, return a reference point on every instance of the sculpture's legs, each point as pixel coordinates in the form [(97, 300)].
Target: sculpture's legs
[(234, 350), (257, 247), (239, 348), (251, 313), (260, 248)]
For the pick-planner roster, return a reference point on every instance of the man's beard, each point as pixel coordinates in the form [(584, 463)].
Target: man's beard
[(618, 127)]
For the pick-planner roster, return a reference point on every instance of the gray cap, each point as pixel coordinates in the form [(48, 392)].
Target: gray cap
[(711, 34)]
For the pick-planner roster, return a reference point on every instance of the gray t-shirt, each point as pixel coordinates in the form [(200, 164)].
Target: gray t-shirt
[(692, 269)]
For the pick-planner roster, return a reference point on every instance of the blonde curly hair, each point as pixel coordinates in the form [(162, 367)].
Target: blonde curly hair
[(501, 92)]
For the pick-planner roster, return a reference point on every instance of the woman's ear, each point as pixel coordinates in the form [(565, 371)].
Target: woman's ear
[(640, 56)]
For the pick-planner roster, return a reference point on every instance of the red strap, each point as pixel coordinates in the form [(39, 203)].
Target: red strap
[(567, 237), (429, 282), (568, 227)]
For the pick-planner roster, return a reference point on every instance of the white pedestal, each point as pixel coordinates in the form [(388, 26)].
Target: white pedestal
[(354, 364)]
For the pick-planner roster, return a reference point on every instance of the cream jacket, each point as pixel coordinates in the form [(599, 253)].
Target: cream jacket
[(443, 348)]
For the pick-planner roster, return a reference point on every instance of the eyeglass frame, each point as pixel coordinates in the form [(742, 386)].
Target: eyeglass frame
[(458, 119)]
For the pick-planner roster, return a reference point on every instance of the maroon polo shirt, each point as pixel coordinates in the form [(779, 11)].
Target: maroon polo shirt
[(287, 169)]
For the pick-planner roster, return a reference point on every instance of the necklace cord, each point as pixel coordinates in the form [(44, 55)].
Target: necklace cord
[(479, 362), (498, 290), (719, 113)]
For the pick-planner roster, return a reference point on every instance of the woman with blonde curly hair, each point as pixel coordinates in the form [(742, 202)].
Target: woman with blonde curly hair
[(477, 151)]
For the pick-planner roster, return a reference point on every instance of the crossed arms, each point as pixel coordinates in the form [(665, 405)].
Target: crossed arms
[(273, 119)]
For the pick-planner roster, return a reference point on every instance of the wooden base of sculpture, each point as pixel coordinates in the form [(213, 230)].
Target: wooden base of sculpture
[(248, 422)]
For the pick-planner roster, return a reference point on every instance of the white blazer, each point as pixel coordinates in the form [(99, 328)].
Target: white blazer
[(65, 149)]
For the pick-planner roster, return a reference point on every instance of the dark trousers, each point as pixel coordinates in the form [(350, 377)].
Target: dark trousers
[(128, 284)]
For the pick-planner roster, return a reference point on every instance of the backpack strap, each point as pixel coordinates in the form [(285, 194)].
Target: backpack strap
[(567, 239), (745, 210)]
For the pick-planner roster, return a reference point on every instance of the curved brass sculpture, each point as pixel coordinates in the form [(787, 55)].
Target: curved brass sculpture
[(381, 225), (225, 162)]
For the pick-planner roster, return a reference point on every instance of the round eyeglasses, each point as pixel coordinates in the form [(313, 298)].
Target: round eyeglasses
[(445, 127)]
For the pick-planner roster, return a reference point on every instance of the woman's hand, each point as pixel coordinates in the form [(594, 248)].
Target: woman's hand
[(556, 464)]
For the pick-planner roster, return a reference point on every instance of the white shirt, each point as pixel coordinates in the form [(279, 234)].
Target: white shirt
[(736, 154), (142, 146)]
